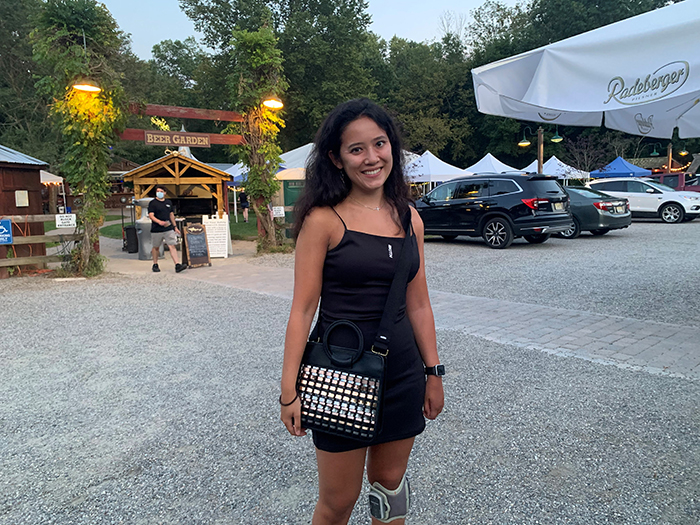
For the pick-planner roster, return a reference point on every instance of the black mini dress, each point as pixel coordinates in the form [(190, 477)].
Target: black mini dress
[(357, 275)]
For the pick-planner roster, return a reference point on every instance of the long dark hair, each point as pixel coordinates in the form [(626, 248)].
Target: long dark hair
[(324, 184)]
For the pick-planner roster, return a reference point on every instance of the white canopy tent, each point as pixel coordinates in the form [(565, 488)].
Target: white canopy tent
[(429, 168), (490, 164), (50, 178), (556, 167), (642, 74), (296, 158)]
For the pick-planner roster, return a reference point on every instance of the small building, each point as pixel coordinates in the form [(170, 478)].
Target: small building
[(195, 188), (20, 194)]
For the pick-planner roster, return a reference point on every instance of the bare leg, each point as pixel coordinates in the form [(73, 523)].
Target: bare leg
[(154, 254), (173, 254), (386, 463), (245, 214), (339, 485)]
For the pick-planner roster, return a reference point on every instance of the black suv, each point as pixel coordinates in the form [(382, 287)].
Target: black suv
[(497, 207)]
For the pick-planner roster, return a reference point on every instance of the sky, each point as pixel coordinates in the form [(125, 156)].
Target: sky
[(152, 21)]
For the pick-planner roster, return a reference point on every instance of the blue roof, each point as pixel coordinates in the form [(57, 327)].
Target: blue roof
[(15, 157), (620, 168)]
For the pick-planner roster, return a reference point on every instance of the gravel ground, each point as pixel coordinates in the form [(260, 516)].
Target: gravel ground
[(155, 402)]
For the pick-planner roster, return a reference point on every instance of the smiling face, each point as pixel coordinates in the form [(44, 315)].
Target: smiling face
[(365, 155)]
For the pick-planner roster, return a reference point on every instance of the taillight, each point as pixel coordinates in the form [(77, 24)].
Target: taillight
[(535, 203), (605, 206)]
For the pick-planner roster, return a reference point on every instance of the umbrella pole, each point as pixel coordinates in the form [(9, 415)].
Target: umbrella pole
[(670, 159), (540, 150)]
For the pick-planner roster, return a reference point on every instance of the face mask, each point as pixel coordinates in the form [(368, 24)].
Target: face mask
[(160, 194)]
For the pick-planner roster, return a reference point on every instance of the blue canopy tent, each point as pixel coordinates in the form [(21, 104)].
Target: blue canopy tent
[(620, 168)]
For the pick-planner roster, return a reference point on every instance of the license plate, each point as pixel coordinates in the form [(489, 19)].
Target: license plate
[(558, 206), (619, 209)]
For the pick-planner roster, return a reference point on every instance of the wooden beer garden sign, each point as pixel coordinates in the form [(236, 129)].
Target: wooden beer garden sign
[(181, 138)]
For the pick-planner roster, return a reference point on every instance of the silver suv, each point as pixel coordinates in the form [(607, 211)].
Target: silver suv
[(651, 199)]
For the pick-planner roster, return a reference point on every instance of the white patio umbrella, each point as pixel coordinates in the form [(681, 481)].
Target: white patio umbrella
[(642, 74), (429, 168)]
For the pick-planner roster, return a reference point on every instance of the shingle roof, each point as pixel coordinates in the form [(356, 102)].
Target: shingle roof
[(15, 157)]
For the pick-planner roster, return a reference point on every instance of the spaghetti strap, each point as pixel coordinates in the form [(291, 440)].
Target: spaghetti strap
[(341, 219)]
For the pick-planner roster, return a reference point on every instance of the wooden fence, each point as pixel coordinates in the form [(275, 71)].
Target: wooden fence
[(34, 239)]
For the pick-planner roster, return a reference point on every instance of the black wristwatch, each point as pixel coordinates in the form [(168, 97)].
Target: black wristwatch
[(437, 370)]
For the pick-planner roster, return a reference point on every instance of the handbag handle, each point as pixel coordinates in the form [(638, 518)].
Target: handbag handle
[(350, 360)]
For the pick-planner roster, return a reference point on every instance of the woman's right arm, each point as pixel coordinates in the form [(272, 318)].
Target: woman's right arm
[(310, 254)]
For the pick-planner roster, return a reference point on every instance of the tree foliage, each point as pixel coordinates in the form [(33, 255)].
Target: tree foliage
[(88, 122), (257, 74)]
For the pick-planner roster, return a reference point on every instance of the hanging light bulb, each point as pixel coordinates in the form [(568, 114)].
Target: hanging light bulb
[(557, 137), (87, 86), (273, 102)]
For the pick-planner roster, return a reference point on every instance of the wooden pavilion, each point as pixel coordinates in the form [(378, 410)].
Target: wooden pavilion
[(195, 188)]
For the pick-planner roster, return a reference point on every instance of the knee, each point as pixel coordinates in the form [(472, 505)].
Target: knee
[(336, 508), (389, 478)]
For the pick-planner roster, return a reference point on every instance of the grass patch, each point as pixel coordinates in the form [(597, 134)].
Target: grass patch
[(243, 231), (113, 232)]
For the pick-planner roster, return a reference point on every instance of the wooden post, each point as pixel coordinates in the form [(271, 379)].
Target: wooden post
[(53, 198)]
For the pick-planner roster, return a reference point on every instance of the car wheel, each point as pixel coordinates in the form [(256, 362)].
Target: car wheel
[(497, 233), (672, 213), (572, 232), (537, 239), (600, 232), (449, 237)]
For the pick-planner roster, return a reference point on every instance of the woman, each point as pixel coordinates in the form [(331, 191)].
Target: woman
[(244, 204), (348, 229)]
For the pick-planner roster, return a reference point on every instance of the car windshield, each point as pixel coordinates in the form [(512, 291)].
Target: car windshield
[(659, 186)]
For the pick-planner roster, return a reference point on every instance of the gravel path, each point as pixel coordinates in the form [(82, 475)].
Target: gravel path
[(142, 401)]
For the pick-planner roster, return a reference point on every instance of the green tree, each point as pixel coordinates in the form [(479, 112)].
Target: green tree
[(77, 40), (256, 76), (24, 123), (327, 48)]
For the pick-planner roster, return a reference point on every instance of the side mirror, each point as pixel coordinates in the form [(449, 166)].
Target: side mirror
[(650, 190)]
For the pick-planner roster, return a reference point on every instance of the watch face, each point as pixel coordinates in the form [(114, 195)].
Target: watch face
[(440, 370)]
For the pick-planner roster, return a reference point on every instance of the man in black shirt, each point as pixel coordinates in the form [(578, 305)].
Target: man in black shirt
[(160, 211)]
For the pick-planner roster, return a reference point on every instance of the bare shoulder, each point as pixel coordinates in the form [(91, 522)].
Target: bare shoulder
[(416, 221), (320, 222)]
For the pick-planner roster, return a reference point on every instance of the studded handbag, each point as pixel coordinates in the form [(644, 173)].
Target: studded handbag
[(341, 389)]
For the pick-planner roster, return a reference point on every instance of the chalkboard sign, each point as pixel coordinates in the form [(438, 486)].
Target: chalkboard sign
[(196, 248)]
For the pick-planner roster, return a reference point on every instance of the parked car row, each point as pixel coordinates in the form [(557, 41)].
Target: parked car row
[(652, 199), (503, 207)]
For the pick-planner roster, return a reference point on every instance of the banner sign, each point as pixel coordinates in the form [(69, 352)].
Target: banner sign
[(176, 138)]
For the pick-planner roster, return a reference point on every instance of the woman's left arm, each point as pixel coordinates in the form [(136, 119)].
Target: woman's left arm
[(420, 313)]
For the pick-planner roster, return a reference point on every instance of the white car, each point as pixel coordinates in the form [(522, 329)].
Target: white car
[(651, 199)]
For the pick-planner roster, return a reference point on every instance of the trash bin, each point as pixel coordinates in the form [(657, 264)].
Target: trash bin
[(143, 231), (132, 240)]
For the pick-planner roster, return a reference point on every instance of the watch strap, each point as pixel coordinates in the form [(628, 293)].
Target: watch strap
[(437, 370)]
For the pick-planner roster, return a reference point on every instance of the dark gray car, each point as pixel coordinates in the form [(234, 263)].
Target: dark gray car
[(596, 212)]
